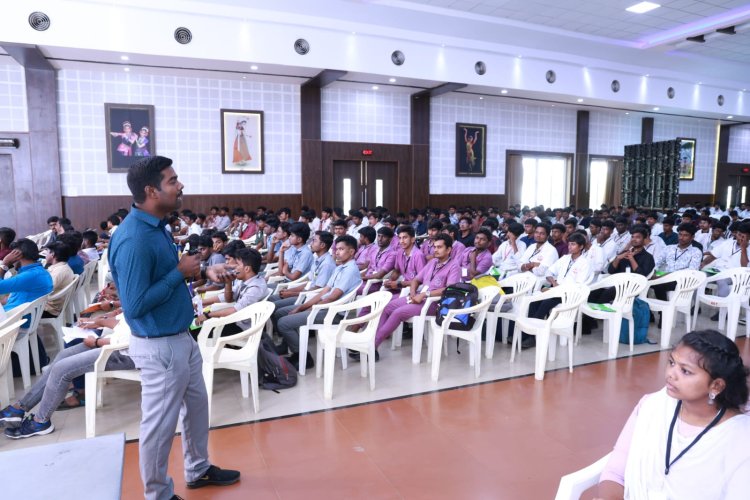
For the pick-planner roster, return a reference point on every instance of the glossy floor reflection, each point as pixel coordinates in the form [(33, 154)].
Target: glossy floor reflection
[(510, 439)]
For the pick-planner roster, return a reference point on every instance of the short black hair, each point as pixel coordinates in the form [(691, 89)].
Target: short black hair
[(28, 249), (249, 257), (577, 238), (641, 229), (7, 235), (386, 231), (546, 227), (515, 228), (559, 227), (445, 238), (114, 220), (231, 248), (60, 250), (347, 240), (405, 228), (300, 229), (486, 232), (368, 232), (688, 228), (621, 220), (531, 222), (74, 239), (326, 238), (205, 241), (146, 172), (89, 237), (220, 235), (52, 219), (609, 223)]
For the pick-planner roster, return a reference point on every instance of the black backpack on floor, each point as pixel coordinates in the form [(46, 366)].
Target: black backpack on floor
[(458, 296), (275, 372)]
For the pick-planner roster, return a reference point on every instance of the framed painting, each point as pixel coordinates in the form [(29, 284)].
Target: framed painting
[(242, 142), (687, 159), (471, 148), (130, 134)]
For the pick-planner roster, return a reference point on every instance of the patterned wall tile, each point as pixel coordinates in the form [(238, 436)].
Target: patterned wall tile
[(350, 115), (12, 97), (739, 144)]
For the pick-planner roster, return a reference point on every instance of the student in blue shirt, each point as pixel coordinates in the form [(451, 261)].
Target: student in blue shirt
[(157, 306), (32, 280), (344, 279)]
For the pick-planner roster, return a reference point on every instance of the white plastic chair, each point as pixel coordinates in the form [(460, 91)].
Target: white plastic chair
[(8, 333), (560, 322), (27, 339), (102, 269), (417, 326), (522, 284), (57, 323), (628, 286), (440, 333), (332, 337), (81, 297), (732, 303), (244, 359), (11, 317), (304, 330), (575, 483), (96, 378), (686, 281)]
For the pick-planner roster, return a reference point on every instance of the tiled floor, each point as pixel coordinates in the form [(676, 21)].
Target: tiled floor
[(496, 440)]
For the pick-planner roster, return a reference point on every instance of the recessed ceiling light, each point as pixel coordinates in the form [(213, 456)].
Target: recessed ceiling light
[(643, 7), (580, 100), (392, 80), (730, 117), (656, 108), (627, 113), (375, 87), (126, 69), (553, 105), (244, 77), (254, 67), (699, 83), (647, 75), (520, 56), (124, 58), (354, 32), (504, 91), (480, 97)]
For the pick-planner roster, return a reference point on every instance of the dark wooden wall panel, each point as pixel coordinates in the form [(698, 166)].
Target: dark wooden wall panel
[(647, 130), (695, 198), (312, 174), (581, 163), (420, 187), (88, 211)]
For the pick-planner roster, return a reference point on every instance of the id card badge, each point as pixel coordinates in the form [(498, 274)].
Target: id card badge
[(308, 285), (424, 288), (464, 272)]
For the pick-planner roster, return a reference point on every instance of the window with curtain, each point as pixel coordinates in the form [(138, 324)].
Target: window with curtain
[(544, 181), (598, 173)]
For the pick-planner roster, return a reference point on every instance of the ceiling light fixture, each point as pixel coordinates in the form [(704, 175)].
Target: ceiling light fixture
[(580, 100), (124, 58), (730, 117), (700, 83), (392, 80), (643, 7), (627, 113), (375, 87), (480, 97), (244, 77), (504, 91), (126, 69), (254, 67), (647, 75), (520, 56), (656, 108)]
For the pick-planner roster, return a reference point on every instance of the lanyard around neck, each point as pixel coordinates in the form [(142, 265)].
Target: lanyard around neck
[(667, 463)]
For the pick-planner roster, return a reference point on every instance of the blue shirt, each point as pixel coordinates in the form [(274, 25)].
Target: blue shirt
[(345, 277), (76, 264), (322, 270), (299, 259), (31, 282), (155, 300)]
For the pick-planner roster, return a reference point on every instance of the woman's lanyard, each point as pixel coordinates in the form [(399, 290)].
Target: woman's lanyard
[(667, 463)]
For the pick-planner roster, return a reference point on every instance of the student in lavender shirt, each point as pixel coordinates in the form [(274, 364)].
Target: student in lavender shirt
[(477, 260), (430, 282), (408, 263), (382, 260), (428, 245), (367, 247), (454, 233)]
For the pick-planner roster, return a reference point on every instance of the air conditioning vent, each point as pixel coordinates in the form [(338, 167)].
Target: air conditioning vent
[(183, 36), (39, 21), (398, 58), (301, 46), (480, 68), (551, 76)]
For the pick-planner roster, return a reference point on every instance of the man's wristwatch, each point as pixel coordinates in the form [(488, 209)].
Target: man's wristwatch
[(4, 267)]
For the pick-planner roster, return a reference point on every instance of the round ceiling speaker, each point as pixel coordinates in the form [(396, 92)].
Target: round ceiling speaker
[(301, 46), (720, 100), (670, 92), (183, 35), (551, 76), (480, 68), (398, 58), (615, 86), (39, 21)]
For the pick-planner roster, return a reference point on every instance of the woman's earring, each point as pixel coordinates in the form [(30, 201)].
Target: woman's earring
[(711, 397)]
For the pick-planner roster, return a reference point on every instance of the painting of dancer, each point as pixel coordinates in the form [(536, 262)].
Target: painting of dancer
[(242, 141), (130, 134), (471, 146)]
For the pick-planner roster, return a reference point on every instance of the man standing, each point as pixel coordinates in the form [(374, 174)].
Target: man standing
[(157, 306)]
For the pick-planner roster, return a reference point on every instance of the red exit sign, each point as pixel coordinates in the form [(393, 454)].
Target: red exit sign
[(367, 152)]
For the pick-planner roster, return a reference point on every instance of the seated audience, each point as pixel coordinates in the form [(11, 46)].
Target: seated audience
[(732, 253), (74, 240), (295, 257), (345, 279), (465, 236), (669, 236), (7, 235), (367, 247), (507, 257), (476, 260), (62, 275), (50, 389), (408, 263), (537, 258), (89, 252), (32, 280), (686, 441), (382, 261), (621, 236), (428, 245), (557, 240), (430, 282), (323, 266)]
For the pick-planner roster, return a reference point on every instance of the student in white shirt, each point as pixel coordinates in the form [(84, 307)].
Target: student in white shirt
[(507, 257), (621, 235), (606, 243), (733, 253), (537, 258)]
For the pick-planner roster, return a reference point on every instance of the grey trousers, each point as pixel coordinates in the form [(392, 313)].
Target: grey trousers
[(171, 386), (49, 390)]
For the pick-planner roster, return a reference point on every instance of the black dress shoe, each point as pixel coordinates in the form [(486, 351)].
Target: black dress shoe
[(215, 476), (354, 356), (715, 317), (528, 343)]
